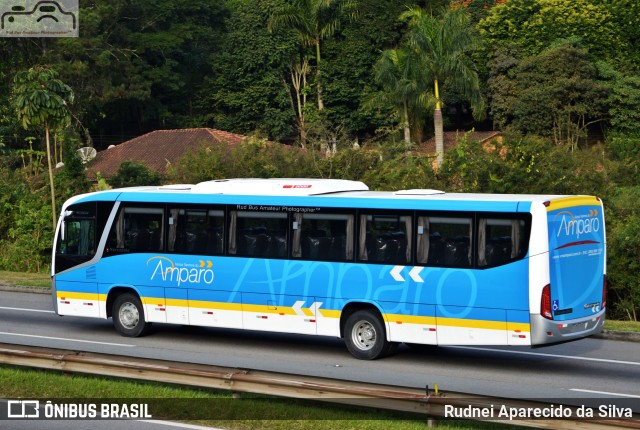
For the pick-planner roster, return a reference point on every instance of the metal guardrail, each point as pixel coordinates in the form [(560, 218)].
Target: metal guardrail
[(403, 399)]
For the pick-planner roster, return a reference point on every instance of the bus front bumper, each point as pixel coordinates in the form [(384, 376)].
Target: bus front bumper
[(54, 295)]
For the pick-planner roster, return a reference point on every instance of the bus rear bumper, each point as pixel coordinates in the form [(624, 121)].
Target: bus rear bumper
[(544, 331)]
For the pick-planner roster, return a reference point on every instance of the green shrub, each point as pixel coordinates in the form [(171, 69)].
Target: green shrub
[(132, 174)]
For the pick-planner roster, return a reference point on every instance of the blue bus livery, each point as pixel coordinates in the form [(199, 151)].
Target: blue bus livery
[(331, 258)]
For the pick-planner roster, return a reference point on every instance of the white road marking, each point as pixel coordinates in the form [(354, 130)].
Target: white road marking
[(539, 354), (181, 425), (604, 392), (26, 310), (65, 339)]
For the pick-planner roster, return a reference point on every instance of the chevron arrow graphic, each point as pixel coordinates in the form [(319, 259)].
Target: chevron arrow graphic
[(297, 308), (395, 273), (415, 274), (315, 306)]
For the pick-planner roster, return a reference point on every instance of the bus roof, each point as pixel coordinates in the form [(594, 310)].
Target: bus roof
[(311, 192), (278, 186)]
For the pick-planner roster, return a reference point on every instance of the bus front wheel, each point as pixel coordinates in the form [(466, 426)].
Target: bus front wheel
[(128, 316), (365, 336)]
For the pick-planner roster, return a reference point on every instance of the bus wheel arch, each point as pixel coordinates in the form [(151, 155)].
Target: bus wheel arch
[(364, 332), (125, 307)]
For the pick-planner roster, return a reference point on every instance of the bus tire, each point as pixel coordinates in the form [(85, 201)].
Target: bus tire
[(128, 316), (366, 337)]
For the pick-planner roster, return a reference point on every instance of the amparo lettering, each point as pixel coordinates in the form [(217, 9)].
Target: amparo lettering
[(572, 226), (166, 270)]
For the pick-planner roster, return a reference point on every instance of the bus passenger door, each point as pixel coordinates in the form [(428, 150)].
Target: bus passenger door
[(279, 313)]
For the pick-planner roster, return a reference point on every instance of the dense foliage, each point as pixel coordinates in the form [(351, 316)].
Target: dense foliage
[(558, 77)]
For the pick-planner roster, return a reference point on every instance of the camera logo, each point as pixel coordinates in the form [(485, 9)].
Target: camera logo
[(23, 409), (44, 18)]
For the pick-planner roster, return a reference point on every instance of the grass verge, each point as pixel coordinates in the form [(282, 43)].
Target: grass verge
[(633, 326), (183, 403), (28, 279)]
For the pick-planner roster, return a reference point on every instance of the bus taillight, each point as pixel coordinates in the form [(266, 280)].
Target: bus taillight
[(545, 304), (604, 291)]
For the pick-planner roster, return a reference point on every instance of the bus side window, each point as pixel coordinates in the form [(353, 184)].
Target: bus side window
[(196, 231), (323, 236), (258, 234), (137, 229), (444, 241), (500, 240), (385, 239)]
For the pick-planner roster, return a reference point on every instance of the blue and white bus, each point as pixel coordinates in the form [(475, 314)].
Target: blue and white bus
[(331, 258)]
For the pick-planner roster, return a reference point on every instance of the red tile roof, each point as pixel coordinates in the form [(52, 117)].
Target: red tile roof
[(451, 139), (158, 149)]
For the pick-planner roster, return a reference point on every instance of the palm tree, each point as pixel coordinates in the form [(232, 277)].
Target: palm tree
[(443, 44), (42, 99), (313, 21), (399, 73)]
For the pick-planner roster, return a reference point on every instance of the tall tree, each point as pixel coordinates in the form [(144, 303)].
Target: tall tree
[(443, 43), (559, 94), (347, 72), (403, 82), (313, 21), (138, 66), (248, 90), (608, 28), (41, 99)]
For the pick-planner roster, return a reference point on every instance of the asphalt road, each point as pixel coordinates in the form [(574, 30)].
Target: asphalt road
[(601, 370)]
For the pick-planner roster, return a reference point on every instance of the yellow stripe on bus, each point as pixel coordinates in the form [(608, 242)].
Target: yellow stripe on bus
[(519, 327), (265, 309), (409, 319), (457, 322), (567, 202), (326, 313), (63, 295), (329, 313), (177, 302), (201, 304), (155, 301), (483, 324), (225, 306)]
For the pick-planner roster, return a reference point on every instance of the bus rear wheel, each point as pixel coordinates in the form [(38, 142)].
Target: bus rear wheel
[(365, 336), (128, 316)]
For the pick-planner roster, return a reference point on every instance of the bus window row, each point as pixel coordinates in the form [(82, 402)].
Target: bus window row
[(371, 236)]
